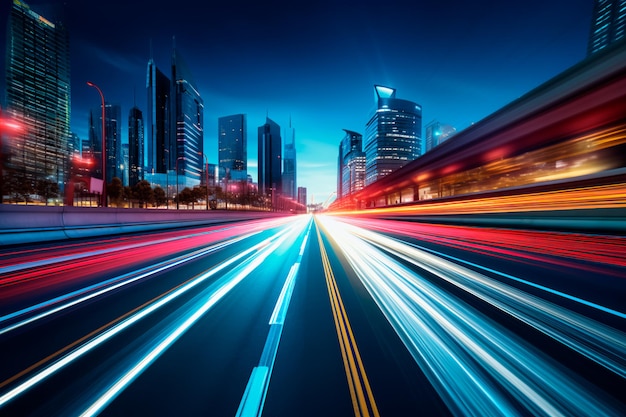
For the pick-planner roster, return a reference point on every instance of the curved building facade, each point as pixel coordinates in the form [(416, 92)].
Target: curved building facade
[(393, 135)]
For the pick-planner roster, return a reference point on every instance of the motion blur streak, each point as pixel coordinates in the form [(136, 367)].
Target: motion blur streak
[(596, 197), (195, 309), (520, 243), (477, 366), (360, 389), (595, 340), (84, 294), (256, 391), (43, 271), (218, 289)]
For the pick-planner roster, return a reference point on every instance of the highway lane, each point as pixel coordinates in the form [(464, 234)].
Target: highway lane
[(309, 317)]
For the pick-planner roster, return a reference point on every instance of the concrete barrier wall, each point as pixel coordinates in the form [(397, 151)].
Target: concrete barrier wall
[(29, 224)]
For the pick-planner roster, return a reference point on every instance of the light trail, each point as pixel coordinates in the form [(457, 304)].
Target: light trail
[(363, 402), (256, 390), (194, 312), (478, 367), (65, 301), (218, 289)]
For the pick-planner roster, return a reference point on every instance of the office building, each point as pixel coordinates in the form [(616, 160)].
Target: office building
[(157, 139), (113, 139), (302, 195), (135, 146), (392, 135), (608, 24), (270, 158), (37, 77), (232, 153), (187, 124), (351, 164), (290, 188), (174, 140), (436, 133)]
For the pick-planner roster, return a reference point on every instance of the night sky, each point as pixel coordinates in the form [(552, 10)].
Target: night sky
[(316, 62)]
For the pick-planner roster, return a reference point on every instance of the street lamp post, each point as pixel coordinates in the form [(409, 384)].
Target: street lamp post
[(206, 177), (104, 168), (177, 196)]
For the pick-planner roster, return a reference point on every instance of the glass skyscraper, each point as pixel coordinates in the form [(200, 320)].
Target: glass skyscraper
[(608, 24), (392, 135), (158, 121), (232, 151), (289, 164), (351, 164), (270, 155), (188, 122), (37, 76), (113, 128), (135, 146), (174, 127)]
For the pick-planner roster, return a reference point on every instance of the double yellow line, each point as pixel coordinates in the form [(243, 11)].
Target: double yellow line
[(360, 390)]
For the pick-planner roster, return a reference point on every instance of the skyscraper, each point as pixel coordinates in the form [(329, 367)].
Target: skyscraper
[(175, 126), (351, 164), (392, 135), (289, 164), (158, 121), (188, 124), (302, 195), (37, 78), (232, 153), (135, 146), (270, 155), (113, 140), (436, 133), (608, 24)]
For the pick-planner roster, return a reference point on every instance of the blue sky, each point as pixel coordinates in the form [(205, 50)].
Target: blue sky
[(317, 62)]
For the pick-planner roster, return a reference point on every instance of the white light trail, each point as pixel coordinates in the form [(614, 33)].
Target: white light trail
[(478, 367)]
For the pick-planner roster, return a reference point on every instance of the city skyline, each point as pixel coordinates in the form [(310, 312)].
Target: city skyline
[(317, 65)]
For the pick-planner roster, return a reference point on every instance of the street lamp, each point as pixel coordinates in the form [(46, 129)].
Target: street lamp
[(206, 178), (104, 182), (177, 196)]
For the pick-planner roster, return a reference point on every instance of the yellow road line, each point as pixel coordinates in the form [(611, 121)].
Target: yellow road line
[(360, 390)]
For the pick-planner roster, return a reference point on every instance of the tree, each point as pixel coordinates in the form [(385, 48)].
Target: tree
[(18, 187), (47, 189), (128, 195), (115, 191), (159, 196), (187, 197), (143, 192)]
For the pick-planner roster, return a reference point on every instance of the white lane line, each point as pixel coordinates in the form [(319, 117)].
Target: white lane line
[(256, 390)]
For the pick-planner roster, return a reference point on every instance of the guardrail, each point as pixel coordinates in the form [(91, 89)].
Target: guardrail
[(28, 224)]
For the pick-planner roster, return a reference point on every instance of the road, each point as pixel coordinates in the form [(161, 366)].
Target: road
[(310, 316)]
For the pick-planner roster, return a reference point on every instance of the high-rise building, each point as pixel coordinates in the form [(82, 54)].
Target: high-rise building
[(608, 24), (302, 195), (392, 135), (37, 76), (174, 127), (232, 153), (123, 163), (289, 164), (113, 140), (187, 124), (269, 159), (436, 133), (135, 146), (351, 164), (157, 145)]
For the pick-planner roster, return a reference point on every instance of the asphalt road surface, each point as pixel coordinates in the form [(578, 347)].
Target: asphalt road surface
[(315, 316)]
